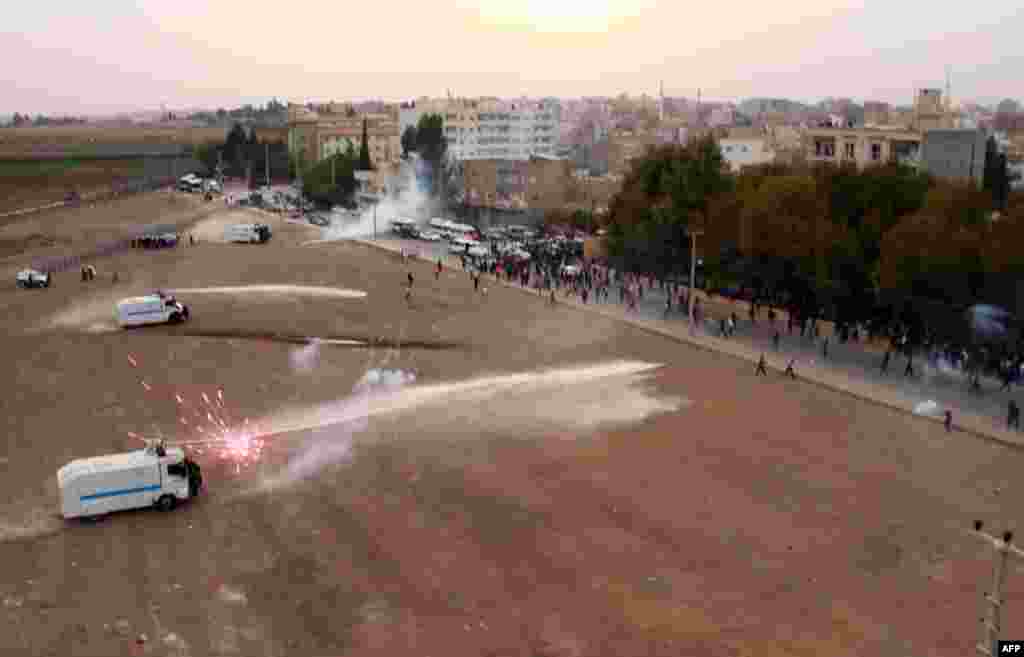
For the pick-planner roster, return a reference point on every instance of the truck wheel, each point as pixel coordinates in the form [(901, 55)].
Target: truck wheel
[(166, 502), (175, 318)]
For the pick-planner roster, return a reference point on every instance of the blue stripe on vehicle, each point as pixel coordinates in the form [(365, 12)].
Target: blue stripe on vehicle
[(114, 493)]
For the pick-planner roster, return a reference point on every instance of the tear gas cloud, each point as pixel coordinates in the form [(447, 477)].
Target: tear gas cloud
[(335, 446), (410, 202)]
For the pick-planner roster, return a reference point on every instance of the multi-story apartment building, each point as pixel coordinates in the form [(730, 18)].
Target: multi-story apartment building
[(315, 135), (862, 146), (534, 184), (491, 128), (927, 136)]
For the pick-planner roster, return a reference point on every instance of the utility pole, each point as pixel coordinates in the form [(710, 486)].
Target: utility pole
[(693, 271), (992, 622)]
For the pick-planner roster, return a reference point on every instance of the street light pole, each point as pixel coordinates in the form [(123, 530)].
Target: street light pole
[(693, 271), (992, 623)]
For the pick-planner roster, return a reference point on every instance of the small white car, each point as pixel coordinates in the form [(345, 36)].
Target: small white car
[(430, 236), (28, 278)]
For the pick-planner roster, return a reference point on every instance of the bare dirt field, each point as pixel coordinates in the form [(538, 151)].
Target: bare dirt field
[(539, 489), (33, 140), (39, 165)]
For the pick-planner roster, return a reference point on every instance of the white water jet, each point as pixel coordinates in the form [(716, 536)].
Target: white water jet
[(310, 290), (581, 397)]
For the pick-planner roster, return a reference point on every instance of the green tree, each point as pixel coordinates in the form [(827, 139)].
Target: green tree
[(207, 154), (997, 176), (432, 148), (408, 141), (235, 145), (365, 164), (332, 180), (666, 194)]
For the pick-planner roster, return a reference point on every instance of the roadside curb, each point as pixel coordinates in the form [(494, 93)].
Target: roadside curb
[(974, 426)]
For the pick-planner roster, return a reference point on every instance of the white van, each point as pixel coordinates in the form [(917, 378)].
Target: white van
[(155, 476), (152, 309), (247, 233)]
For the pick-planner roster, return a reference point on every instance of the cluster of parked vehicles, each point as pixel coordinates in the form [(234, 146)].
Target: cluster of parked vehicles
[(191, 182)]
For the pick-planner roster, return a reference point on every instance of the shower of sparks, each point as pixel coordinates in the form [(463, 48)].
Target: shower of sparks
[(218, 437)]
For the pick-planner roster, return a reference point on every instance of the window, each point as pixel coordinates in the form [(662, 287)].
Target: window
[(177, 470), (851, 151), (876, 152)]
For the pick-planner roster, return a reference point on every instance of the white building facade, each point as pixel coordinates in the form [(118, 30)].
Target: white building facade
[(489, 128), (740, 153)]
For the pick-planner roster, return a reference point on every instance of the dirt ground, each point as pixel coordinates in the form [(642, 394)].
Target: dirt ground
[(712, 513)]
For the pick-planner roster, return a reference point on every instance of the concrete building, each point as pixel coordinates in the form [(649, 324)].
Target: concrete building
[(930, 112), (624, 146), (954, 154), (744, 152), (862, 146), (876, 114), (491, 128), (315, 135), (542, 184)]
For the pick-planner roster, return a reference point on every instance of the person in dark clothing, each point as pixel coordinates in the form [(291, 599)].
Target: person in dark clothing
[(790, 372), (1013, 416), (824, 348), (476, 282), (885, 360), (909, 371), (771, 315), (722, 329), (1007, 379), (762, 369), (775, 340), (948, 422), (410, 279)]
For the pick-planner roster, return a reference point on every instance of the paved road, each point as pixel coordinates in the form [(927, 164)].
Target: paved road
[(945, 388), (948, 388)]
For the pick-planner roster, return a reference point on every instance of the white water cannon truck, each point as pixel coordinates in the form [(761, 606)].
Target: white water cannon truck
[(155, 476)]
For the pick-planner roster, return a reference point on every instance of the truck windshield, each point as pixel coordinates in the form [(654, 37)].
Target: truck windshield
[(177, 470)]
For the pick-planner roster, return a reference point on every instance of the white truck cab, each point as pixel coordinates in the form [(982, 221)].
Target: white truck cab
[(154, 476), (156, 308), (27, 278), (247, 233)]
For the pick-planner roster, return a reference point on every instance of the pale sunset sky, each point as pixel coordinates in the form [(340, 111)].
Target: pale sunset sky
[(118, 55)]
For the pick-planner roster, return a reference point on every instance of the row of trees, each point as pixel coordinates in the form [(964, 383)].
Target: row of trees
[(833, 241), (20, 120), (243, 155)]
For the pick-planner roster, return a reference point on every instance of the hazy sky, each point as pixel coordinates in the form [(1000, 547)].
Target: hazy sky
[(114, 55)]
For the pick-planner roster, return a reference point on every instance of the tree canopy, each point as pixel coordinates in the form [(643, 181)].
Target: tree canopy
[(432, 148), (825, 240), (332, 181)]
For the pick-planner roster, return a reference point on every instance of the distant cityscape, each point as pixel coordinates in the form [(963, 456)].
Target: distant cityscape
[(542, 153)]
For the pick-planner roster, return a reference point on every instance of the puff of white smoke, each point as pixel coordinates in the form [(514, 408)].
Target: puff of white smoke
[(305, 359), (409, 202), (335, 443)]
